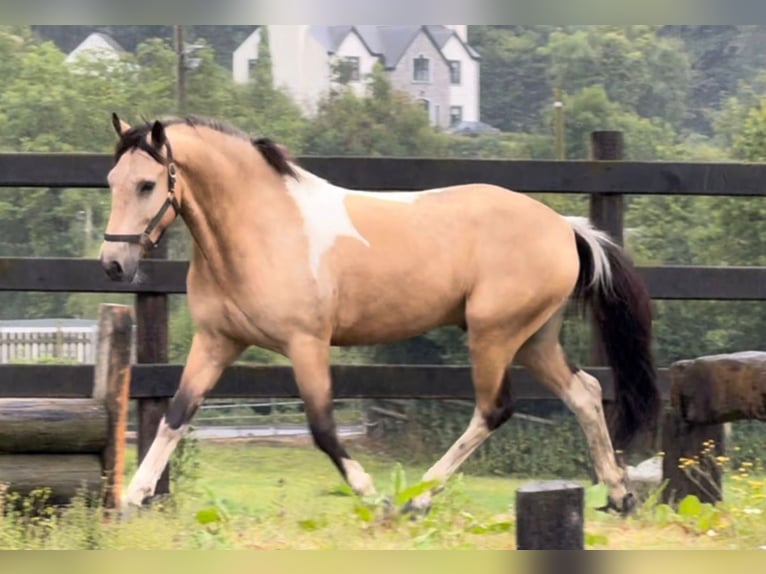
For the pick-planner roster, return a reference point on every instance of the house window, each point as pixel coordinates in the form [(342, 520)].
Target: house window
[(455, 115), (352, 68), (426, 106), (454, 71), (252, 65), (421, 70)]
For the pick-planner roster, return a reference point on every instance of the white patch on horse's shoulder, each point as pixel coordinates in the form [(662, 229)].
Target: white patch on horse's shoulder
[(397, 196), (325, 217)]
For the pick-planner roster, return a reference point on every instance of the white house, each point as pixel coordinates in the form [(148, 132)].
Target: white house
[(433, 63), (245, 56), (96, 45)]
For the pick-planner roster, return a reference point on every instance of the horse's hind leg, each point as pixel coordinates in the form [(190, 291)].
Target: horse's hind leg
[(543, 356), (491, 353), (311, 364)]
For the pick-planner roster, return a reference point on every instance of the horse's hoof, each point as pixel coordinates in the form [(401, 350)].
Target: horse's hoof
[(387, 507), (626, 506), (415, 510), (130, 505)]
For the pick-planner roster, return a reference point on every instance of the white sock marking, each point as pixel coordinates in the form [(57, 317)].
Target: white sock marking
[(360, 481), (150, 469)]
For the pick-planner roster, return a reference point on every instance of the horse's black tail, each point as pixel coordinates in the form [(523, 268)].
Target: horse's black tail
[(610, 285)]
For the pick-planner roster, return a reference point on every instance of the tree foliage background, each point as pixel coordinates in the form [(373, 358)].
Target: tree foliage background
[(677, 92)]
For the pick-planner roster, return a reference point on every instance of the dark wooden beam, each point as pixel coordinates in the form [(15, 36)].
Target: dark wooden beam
[(706, 283), (673, 178), (86, 276), (54, 169), (246, 382)]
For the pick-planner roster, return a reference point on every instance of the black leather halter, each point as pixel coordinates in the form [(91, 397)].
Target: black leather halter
[(171, 201)]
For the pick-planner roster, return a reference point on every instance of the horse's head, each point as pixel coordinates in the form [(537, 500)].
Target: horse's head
[(144, 197)]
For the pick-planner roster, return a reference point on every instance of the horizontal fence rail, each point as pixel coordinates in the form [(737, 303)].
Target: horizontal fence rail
[(268, 381), (406, 174), (157, 276)]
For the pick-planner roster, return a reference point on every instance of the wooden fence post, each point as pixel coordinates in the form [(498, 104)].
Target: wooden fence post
[(606, 209), (606, 213), (705, 393), (152, 347), (549, 516), (111, 384), (684, 440)]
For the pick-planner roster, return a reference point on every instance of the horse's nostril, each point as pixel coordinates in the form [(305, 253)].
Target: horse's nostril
[(113, 270)]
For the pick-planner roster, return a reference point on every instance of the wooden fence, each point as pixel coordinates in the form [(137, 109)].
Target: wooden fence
[(605, 180), (35, 344), (65, 444)]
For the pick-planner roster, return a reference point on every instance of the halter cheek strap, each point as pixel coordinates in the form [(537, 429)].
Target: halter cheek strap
[(144, 238)]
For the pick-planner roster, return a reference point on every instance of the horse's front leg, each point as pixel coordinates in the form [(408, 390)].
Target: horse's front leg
[(310, 357), (208, 357)]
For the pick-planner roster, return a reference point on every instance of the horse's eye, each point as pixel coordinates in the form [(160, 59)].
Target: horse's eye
[(146, 187)]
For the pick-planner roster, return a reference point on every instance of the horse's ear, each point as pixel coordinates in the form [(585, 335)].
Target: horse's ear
[(158, 134), (119, 126)]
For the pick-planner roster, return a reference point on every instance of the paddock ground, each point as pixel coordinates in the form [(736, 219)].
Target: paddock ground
[(287, 495)]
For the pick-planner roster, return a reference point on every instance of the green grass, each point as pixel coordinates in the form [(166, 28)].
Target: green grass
[(275, 496)]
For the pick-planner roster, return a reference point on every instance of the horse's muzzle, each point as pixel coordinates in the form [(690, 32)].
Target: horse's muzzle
[(118, 268), (113, 270)]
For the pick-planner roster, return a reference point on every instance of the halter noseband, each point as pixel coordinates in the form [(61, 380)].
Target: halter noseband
[(171, 201)]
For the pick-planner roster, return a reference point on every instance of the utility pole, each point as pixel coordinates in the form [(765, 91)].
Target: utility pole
[(181, 52), (558, 111)]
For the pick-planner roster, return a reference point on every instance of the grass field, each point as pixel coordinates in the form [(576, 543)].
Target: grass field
[(268, 496)]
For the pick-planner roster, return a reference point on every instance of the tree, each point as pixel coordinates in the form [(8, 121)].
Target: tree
[(590, 110), (721, 58), (514, 83), (270, 111), (383, 122), (639, 70)]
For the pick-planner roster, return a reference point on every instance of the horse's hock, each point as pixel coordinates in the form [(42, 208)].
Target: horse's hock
[(705, 393), (65, 444)]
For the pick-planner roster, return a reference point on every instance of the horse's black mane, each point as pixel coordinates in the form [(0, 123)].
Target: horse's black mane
[(135, 138)]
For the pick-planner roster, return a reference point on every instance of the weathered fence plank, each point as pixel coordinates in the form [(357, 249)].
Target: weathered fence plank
[(86, 276), (720, 388), (62, 170), (64, 474), (267, 381), (52, 425)]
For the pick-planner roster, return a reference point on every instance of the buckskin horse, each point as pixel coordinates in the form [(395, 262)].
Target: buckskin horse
[(290, 262)]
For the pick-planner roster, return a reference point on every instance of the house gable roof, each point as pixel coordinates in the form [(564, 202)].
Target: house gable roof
[(389, 43), (441, 35), (109, 41)]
